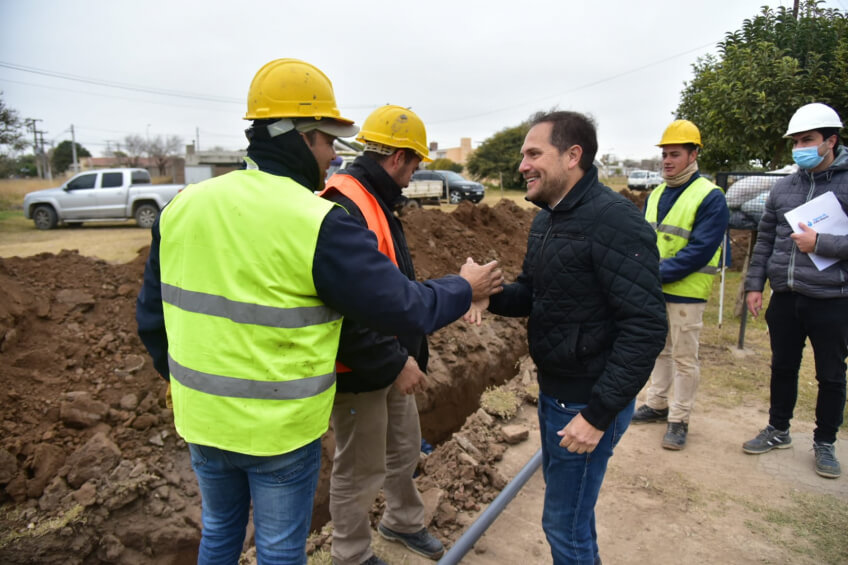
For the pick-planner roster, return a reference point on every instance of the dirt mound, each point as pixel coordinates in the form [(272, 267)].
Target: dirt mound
[(91, 469)]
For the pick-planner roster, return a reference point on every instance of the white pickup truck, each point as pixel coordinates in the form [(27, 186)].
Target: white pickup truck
[(104, 195), (420, 192)]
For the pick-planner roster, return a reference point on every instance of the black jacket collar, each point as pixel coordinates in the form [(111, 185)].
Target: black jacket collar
[(576, 194), (374, 177), (286, 155)]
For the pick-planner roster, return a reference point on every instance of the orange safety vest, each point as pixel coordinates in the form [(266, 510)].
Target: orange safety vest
[(374, 217)]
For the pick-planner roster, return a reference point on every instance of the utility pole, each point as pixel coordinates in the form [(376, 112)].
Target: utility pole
[(196, 138), (74, 150), (47, 169), (31, 126), (795, 9)]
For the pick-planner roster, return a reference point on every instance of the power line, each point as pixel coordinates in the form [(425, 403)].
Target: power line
[(135, 87), (103, 94), (576, 88), (121, 85)]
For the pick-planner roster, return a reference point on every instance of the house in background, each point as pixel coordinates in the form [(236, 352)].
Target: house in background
[(202, 165), (456, 154)]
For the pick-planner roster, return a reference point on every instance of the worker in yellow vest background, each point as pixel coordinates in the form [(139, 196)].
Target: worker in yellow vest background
[(690, 216), (248, 279), (375, 417)]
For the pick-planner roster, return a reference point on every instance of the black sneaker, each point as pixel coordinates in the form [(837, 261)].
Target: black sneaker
[(826, 463), (675, 436), (421, 542), (769, 438), (645, 414)]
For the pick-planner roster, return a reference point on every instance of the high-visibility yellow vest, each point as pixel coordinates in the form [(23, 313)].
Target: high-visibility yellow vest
[(674, 232), (251, 347)]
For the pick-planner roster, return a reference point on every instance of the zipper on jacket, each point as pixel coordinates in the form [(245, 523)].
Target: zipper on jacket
[(537, 277), (790, 279)]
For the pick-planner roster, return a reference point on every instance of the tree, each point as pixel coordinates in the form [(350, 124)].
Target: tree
[(63, 156), (12, 140), (443, 164), (500, 154), (161, 150), (743, 98), (134, 147)]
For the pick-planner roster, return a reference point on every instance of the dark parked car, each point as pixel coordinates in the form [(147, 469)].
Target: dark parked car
[(457, 188)]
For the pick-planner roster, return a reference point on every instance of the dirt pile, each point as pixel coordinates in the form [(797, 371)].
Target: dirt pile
[(91, 470)]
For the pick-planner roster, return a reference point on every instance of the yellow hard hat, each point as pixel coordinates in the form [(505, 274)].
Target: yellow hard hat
[(680, 132), (398, 127), (289, 88)]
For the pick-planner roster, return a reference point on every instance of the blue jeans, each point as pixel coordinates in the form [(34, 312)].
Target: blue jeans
[(573, 482), (282, 488)]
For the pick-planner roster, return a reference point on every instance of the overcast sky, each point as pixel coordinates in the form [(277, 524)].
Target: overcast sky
[(468, 68)]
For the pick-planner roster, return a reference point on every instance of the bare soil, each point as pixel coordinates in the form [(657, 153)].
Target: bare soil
[(91, 470)]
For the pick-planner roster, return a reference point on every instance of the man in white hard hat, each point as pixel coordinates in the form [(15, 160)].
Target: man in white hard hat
[(806, 302)]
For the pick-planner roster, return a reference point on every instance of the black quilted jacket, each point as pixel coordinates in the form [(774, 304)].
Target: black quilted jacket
[(591, 286)]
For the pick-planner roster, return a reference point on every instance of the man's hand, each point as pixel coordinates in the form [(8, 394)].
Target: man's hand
[(806, 240), (475, 313), (754, 300), (579, 436), (411, 378), (485, 280)]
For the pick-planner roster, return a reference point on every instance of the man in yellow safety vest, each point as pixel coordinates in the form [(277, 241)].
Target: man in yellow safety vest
[(690, 216), (248, 278)]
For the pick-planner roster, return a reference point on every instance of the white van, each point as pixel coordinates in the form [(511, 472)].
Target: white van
[(643, 180)]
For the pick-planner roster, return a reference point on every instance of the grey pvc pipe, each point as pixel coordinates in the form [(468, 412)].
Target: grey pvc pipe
[(481, 524)]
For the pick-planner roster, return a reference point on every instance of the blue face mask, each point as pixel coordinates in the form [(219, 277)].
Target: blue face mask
[(807, 157)]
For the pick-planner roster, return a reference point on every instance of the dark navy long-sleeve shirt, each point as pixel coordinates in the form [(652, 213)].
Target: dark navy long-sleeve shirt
[(709, 228), (350, 275)]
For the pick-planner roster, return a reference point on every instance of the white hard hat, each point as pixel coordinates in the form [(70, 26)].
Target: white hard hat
[(813, 116)]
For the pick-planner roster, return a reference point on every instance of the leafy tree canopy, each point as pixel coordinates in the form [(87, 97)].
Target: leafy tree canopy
[(743, 98), (11, 131), (500, 154), (63, 156), (444, 164)]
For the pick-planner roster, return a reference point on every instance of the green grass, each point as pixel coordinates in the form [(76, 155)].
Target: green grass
[(815, 525)]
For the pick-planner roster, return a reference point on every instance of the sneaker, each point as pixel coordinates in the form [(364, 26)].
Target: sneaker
[(645, 414), (769, 438), (826, 463), (421, 542), (675, 436)]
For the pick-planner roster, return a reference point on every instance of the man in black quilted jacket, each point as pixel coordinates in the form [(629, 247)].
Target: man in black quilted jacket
[(591, 286)]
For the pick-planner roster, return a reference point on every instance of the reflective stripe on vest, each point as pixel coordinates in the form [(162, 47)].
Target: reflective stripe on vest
[(374, 217), (251, 346), (673, 234), (244, 313)]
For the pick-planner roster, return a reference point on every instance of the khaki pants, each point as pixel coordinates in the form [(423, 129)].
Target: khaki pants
[(678, 364), (378, 439)]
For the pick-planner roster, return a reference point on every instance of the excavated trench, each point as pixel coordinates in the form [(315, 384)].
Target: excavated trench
[(91, 469)]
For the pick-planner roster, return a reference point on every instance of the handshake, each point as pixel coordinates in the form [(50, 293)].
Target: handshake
[(485, 280)]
